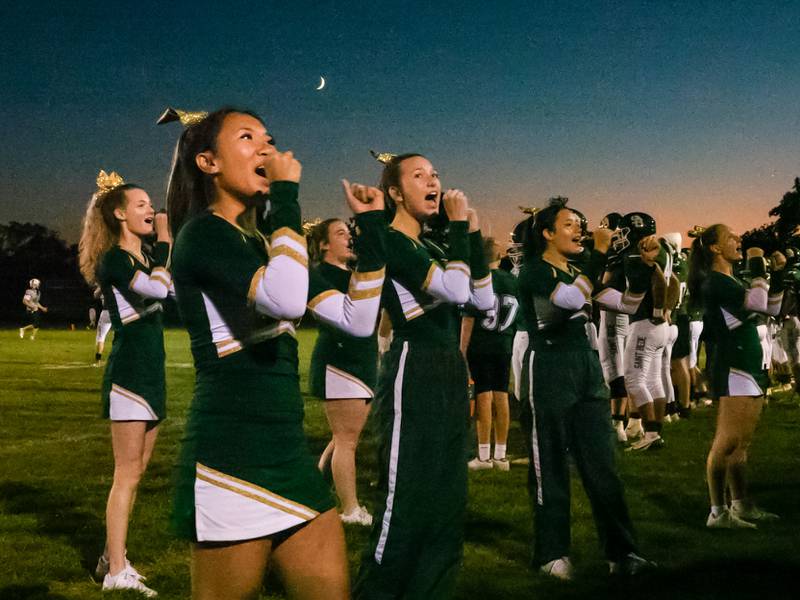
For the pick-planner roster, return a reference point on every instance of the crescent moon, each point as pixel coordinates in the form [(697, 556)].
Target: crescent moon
[(321, 83)]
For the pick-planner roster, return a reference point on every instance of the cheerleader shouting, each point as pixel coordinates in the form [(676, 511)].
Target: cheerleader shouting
[(734, 362), (132, 282), (249, 491), (421, 407), (566, 409), (343, 366)]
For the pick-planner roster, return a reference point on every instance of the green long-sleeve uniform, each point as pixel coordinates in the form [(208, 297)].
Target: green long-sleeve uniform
[(734, 355), (245, 469), (421, 417), (344, 366), (134, 384), (565, 411)]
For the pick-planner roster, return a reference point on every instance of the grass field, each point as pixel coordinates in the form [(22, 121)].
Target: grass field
[(56, 467)]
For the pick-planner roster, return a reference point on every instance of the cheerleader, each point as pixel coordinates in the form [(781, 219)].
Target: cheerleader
[(133, 283), (734, 362), (343, 366), (566, 402), (421, 410), (248, 490)]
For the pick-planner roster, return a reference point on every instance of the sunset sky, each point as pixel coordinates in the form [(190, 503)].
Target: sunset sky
[(687, 110)]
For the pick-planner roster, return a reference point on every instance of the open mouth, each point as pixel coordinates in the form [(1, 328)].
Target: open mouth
[(433, 196), (149, 220), (261, 172)]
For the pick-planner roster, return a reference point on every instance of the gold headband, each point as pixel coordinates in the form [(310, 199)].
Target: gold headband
[(107, 182), (530, 210), (383, 157), (186, 118)]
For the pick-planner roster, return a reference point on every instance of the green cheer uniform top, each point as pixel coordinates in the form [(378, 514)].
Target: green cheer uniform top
[(729, 327), (345, 357), (245, 470), (134, 383)]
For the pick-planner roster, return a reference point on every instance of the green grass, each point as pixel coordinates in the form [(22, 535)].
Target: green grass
[(56, 466)]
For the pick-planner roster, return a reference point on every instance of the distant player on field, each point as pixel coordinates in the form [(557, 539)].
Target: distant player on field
[(33, 310)]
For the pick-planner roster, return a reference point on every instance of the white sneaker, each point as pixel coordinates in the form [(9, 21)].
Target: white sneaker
[(501, 464), (359, 516), (127, 579), (707, 402), (476, 464), (103, 566), (654, 442), (634, 432), (619, 429), (21, 333), (753, 513), (667, 418), (727, 520), (560, 568)]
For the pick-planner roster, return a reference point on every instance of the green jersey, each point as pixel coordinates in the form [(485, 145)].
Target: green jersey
[(426, 284), (493, 331)]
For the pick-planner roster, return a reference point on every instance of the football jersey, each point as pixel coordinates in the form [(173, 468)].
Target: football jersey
[(493, 331), (32, 295)]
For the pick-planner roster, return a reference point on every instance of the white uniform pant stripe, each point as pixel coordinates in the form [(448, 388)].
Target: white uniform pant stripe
[(537, 465), (394, 455)]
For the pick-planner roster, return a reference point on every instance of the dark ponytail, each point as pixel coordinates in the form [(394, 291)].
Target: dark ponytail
[(701, 260)]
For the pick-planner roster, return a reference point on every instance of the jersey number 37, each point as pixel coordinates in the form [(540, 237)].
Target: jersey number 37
[(503, 313)]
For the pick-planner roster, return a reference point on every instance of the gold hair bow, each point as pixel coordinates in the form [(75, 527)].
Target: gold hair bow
[(186, 118), (696, 231), (107, 182), (383, 157), (310, 224), (530, 210)]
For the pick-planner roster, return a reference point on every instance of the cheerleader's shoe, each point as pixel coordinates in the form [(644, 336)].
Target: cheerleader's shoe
[(103, 566), (753, 513), (476, 464), (501, 464), (127, 579), (619, 429), (560, 568), (359, 516), (727, 520)]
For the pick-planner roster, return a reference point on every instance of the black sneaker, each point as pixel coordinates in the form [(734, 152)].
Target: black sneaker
[(632, 564)]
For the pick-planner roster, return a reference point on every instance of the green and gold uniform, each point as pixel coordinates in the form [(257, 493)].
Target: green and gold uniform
[(245, 470), (565, 411), (681, 316), (733, 349), (344, 363), (134, 384), (421, 418)]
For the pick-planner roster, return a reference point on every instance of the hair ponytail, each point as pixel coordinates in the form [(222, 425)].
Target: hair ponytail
[(700, 262)]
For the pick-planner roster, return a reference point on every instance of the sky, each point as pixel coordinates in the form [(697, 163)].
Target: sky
[(686, 110)]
